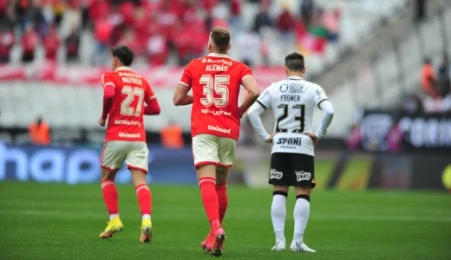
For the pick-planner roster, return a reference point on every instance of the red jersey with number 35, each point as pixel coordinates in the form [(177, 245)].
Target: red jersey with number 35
[(215, 80), (125, 118)]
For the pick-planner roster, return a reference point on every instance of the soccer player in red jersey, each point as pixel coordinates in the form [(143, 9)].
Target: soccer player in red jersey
[(215, 124), (127, 96)]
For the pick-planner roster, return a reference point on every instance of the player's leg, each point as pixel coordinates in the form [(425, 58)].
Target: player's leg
[(222, 174), (137, 163), (205, 151), (226, 156), (302, 179), (221, 191), (111, 160), (279, 177)]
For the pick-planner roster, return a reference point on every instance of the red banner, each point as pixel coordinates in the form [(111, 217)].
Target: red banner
[(164, 77)]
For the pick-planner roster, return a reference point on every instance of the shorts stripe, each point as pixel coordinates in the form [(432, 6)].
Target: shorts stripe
[(132, 167), (108, 168), (206, 163)]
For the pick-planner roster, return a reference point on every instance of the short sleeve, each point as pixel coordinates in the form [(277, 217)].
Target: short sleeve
[(265, 99), (187, 75), (319, 95), (245, 71), (108, 80)]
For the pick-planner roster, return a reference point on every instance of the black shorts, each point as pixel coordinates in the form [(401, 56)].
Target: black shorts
[(292, 169)]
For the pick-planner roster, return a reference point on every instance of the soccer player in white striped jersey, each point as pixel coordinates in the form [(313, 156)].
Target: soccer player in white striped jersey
[(292, 157)]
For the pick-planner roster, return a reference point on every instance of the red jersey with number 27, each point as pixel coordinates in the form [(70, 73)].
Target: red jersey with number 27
[(125, 118), (215, 80)]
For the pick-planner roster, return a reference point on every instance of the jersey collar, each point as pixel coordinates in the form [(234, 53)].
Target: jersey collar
[(218, 55), (295, 78), (123, 68)]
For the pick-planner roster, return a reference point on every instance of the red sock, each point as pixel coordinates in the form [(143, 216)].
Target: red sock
[(144, 199), (221, 192), (210, 200), (110, 196)]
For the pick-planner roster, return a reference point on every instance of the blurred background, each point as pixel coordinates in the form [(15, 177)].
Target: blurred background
[(383, 63)]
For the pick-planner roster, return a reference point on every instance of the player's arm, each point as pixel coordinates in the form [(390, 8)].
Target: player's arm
[(108, 94), (181, 96), (263, 102), (328, 114), (253, 90), (152, 106)]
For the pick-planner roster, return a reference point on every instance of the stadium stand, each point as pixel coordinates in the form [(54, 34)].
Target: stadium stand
[(67, 94)]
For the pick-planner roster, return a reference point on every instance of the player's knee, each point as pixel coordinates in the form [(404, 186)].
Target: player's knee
[(303, 191), (279, 188), (221, 176), (108, 175)]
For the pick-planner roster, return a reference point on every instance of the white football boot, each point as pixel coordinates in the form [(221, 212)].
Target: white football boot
[(280, 246), (300, 247)]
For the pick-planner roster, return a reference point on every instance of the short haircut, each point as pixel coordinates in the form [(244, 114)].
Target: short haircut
[(294, 61), (124, 54), (221, 38)]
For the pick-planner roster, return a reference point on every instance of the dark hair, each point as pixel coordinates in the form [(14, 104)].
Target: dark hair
[(294, 61), (124, 54), (221, 38)]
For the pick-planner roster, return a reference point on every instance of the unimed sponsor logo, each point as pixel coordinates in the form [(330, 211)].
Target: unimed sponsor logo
[(128, 135), (219, 129)]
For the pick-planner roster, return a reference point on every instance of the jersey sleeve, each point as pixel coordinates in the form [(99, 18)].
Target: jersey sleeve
[(245, 71), (264, 99), (108, 80), (187, 75), (319, 95)]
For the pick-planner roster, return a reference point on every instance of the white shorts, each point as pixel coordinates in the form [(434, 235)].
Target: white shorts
[(210, 149), (134, 154)]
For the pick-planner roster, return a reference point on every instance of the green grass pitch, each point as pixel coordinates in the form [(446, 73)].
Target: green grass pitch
[(54, 221)]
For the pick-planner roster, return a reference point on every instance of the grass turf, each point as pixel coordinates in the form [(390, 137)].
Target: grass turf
[(54, 221)]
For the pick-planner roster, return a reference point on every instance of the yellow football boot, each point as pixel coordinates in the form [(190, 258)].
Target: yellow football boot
[(114, 225)]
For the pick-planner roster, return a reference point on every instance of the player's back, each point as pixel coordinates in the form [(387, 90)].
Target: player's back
[(293, 101), (215, 80), (126, 115)]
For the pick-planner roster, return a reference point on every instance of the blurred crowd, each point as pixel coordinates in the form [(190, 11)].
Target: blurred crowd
[(154, 29), (436, 86)]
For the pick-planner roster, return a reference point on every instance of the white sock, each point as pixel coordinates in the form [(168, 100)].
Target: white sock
[(146, 216), (278, 215), (301, 214), (113, 216)]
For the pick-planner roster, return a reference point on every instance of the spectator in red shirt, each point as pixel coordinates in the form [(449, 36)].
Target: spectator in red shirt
[(72, 45), (285, 23), (51, 44), (235, 14), (158, 49), (7, 40), (127, 11), (29, 44)]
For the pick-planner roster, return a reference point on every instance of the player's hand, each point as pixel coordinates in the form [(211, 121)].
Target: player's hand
[(270, 139), (101, 122), (314, 138)]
